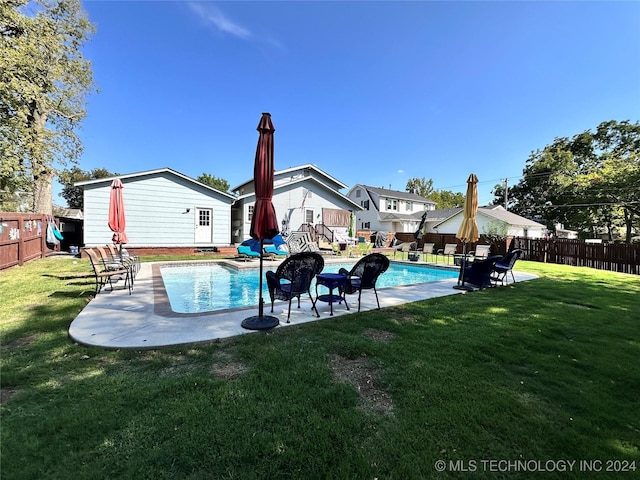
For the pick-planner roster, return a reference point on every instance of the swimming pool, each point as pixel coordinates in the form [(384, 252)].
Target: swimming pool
[(207, 287)]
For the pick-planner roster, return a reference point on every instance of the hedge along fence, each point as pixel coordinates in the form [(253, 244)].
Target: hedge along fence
[(22, 238)]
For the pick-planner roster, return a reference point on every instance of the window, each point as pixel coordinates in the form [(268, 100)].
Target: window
[(365, 204), (250, 213), (392, 204), (309, 216), (358, 192), (204, 218), (365, 225), (409, 206)]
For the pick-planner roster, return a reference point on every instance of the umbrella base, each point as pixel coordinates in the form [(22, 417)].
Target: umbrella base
[(258, 322)]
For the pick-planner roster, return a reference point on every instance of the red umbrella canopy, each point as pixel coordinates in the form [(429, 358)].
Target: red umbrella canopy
[(264, 223), (468, 231), (117, 222)]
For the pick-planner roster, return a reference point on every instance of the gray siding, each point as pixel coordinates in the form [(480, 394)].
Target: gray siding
[(154, 209)]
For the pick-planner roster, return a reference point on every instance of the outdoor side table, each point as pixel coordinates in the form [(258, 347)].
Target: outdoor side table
[(332, 281)]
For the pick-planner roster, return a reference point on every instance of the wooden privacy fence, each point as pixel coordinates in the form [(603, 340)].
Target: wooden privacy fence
[(22, 238), (615, 257)]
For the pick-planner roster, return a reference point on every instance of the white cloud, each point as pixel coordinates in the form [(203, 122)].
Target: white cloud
[(212, 16), (400, 171)]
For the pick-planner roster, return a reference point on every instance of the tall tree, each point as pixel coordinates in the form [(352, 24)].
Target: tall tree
[(44, 82), (75, 195), (420, 186), (447, 199), (588, 182), (214, 182), (443, 198)]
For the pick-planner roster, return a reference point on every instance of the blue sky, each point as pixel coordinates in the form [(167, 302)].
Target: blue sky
[(370, 92)]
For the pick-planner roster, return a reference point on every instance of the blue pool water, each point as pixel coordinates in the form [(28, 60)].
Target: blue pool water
[(198, 288)]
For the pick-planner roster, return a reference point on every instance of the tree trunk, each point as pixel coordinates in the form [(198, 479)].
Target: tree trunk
[(42, 193), (42, 174), (628, 222)]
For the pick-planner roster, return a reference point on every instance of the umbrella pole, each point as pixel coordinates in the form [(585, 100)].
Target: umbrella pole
[(461, 285), (261, 321), (261, 302)]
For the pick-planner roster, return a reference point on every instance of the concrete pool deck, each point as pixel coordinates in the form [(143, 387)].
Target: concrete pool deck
[(115, 319)]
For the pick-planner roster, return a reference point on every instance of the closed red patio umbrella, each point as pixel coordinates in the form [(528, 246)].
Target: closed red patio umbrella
[(117, 221), (264, 223)]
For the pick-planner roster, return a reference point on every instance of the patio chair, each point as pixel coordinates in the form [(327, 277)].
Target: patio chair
[(427, 249), (124, 255), (293, 278), (109, 262), (274, 251), (406, 247), (481, 252), (364, 248), (104, 276), (245, 253), (364, 275), (478, 273), (449, 251), (505, 266)]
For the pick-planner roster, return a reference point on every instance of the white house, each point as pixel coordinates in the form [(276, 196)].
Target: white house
[(487, 218), (163, 208), (302, 196), (388, 210)]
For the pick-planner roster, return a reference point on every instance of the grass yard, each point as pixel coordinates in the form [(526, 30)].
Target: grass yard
[(546, 371)]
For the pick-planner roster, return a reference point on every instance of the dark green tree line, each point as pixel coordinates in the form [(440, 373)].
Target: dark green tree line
[(589, 182)]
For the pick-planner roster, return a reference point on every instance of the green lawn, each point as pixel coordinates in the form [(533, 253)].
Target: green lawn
[(544, 370)]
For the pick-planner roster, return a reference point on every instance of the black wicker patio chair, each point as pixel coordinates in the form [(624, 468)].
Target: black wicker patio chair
[(293, 278), (364, 275), (505, 266), (478, 273)]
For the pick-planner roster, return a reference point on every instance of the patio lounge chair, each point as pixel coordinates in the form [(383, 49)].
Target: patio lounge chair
[(478, 273), (449, 251), (293, 278), (245, 253), (406, 247), (274, 251), (104, 276), (481, 251), (427, 249), (364, 248), (505, 266), (364, 275)]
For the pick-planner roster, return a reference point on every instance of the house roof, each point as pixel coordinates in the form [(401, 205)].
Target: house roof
[(495, 212), (499, 213), (386, 216), (385, 192), (151, 172), (71, 213), (289, 170), (306, 180)]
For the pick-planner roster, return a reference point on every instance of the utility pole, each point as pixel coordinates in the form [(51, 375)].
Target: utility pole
[(505, 182)]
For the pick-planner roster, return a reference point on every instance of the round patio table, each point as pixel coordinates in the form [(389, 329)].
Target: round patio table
[(332, 281)]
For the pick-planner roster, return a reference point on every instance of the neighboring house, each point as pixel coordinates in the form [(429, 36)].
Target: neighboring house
[(388, 210), (163, 208), (562, 232), (486, 218), (303, 197)]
